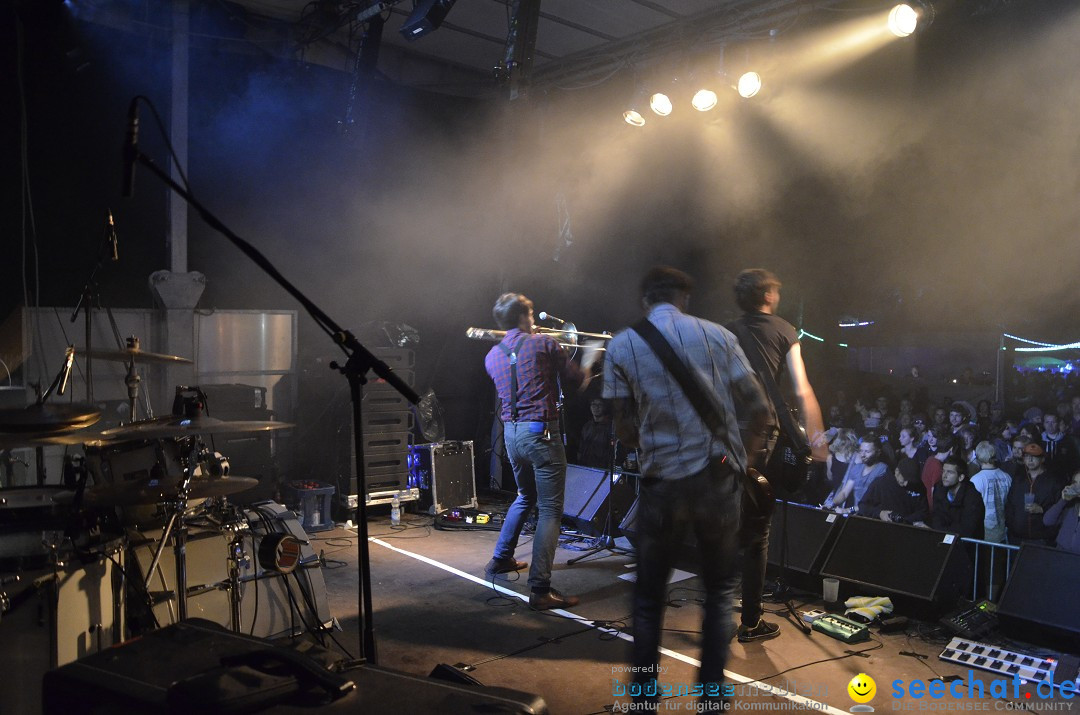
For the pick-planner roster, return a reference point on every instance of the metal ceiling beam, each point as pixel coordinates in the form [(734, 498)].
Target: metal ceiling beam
[(735, 19)]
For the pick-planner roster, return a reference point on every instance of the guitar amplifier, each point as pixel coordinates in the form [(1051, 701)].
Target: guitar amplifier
[(445, 475)]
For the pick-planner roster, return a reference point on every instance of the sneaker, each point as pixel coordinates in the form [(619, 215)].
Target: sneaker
[(497, 566), (551, 599), (761, 632)]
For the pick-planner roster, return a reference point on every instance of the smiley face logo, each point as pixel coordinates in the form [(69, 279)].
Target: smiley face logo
[(862, 688)]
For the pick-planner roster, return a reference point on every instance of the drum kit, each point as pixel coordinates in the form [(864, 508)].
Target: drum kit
[(82, 554)]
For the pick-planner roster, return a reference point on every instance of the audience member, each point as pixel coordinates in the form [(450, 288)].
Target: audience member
[(897, 497), (958, 417), (940, 418), (911, 449), (958, 507), (966, 448), (993, 485), (842, 451), (1074, 423), (1014, 465), (1002, 439), (1065, 517), (941, 444), (1061, 451), (594, 448), (1034, 491), (866, 467)]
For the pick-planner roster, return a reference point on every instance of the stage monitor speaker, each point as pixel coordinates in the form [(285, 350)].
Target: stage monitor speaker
[(812, 533), (899, 559), (586, 497), (1039, 599), (198, 666)]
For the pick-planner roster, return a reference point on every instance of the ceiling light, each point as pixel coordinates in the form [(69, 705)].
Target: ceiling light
[(704, 100), (632, 115), (749, 84), (660, 104), (909, 17)]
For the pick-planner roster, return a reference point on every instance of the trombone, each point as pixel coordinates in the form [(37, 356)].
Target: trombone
[(567, 337)]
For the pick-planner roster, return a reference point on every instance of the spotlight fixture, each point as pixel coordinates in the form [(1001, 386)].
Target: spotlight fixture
[(660, 103), (632, 115), (704, 100), (908, 17), (426, 17), (749, 84)]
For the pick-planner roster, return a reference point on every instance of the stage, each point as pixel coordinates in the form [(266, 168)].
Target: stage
[(433, 605)]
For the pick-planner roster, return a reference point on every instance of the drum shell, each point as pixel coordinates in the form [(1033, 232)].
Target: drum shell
[(272, 605), (58, 615)]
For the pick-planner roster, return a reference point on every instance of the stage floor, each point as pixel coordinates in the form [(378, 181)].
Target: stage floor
[(433, 605)]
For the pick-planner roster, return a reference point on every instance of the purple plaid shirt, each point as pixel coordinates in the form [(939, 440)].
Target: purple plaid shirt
[(539, 361)]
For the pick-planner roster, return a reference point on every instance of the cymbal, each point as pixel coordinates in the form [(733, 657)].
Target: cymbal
[(156, 491), (142, 356), (49, 417), (179, 426), (47, 439)]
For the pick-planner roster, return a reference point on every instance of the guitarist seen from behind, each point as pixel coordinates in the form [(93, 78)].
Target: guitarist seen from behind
[(771, 344)]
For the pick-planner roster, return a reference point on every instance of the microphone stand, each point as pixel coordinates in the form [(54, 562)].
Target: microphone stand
[(86, 304), (359, 361)]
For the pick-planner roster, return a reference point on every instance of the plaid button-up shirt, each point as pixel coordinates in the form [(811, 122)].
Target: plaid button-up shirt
[(674, 441), (540, 361)]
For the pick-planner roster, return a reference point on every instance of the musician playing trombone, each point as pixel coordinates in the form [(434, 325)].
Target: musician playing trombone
[(526, 367)]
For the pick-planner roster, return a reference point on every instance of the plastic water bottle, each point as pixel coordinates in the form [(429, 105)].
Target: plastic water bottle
[(395, 511)]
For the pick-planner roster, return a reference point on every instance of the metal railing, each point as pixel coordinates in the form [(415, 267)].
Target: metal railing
[(992, 564)]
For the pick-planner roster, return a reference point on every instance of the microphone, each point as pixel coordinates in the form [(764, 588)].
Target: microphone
[(110, 228), (69, 358), (549, 316), (131, 149)]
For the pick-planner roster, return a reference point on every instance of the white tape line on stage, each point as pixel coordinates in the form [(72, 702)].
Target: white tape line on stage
[(763, 688)]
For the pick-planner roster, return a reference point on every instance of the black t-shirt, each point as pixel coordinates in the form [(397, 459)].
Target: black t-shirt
[(772, 339)]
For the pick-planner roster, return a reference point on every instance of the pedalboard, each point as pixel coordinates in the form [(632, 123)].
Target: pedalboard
[(841, 628)]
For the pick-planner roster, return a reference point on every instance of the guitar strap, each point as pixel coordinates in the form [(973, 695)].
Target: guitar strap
[(692, 388)]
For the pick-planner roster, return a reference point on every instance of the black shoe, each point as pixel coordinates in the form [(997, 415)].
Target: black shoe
[(551, 599), (761, 632), (497, 566)]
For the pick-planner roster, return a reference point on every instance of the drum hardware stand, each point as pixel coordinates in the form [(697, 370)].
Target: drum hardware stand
[(237, 557), (176, 528), (359, 361)]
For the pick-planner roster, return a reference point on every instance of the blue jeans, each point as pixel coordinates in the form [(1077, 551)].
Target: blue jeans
[(708, 504), (540, 473)]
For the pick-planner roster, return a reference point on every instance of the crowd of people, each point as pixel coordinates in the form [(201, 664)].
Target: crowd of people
[(969, 470)]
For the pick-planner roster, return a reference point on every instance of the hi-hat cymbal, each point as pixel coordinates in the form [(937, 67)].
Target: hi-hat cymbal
[(49, 417), (177, 426), (156, 491), (139, 356)]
